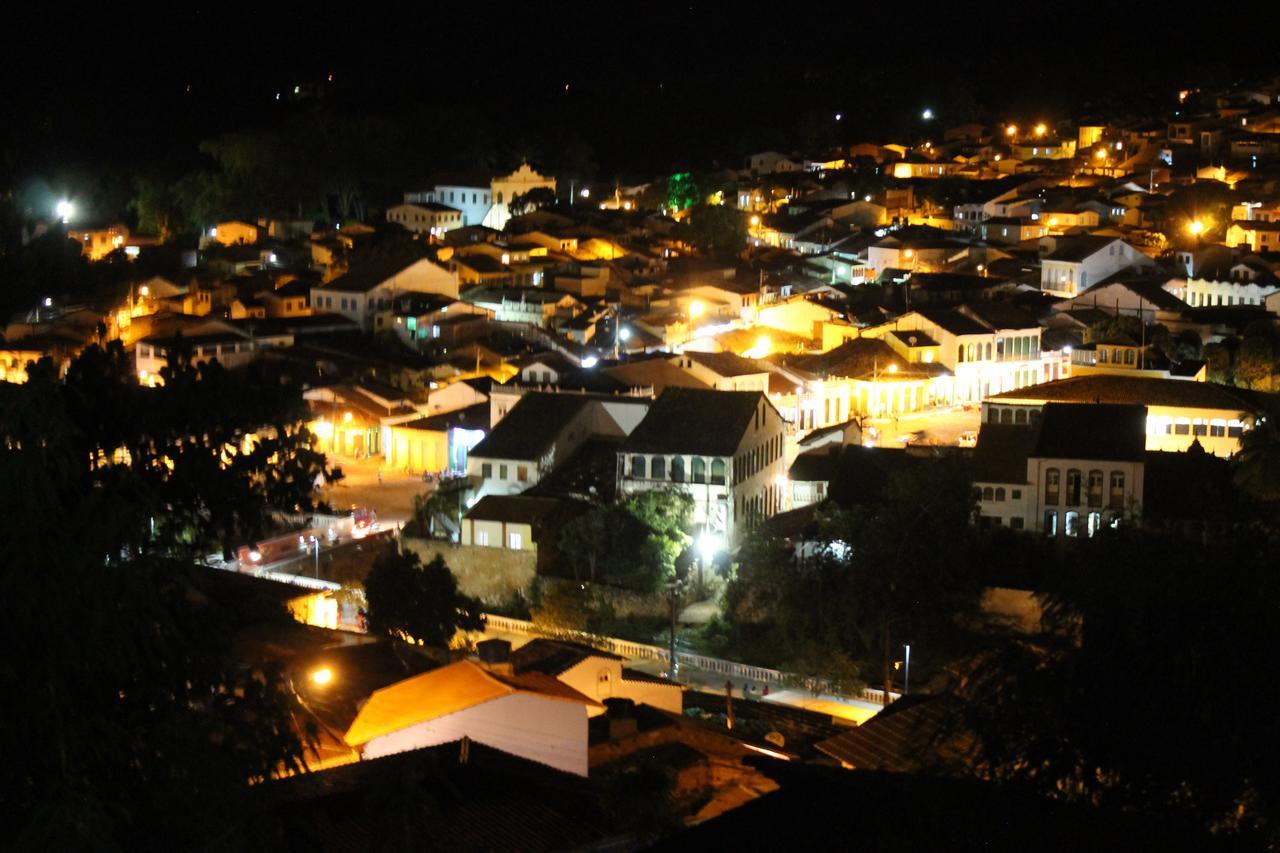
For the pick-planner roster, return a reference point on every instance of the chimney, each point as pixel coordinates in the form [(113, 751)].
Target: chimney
[(622, 718)]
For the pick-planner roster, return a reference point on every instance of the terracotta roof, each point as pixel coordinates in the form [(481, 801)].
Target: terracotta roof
[(899, 739), (553, 657), (1113, 388), (447, 690)]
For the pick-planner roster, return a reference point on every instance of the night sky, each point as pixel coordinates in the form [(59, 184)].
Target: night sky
[(651, 87)]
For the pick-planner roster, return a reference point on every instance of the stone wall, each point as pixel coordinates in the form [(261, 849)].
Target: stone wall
[(493, 575)]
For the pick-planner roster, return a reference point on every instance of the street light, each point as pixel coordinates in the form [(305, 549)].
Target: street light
[(64, 210), (322, 676), (1196, 227), (927, 115), (906, 678), (696, 309), (1041, 129), (315, 545), (1011, 130)]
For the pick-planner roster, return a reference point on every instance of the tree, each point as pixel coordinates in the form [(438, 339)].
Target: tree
[(1219, 357), (633, 544), (682, 191), (717, 230), (874, 577), (667, 515), (130, 722), (410, 601), (535, 199), (1134, 695), (1256, 363)]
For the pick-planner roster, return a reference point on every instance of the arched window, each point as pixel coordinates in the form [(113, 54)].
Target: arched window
[(1073, 487), (699, 471), (1052, 484), (659, 468), (960, 353), (1000, 494), (1095, 489), (1050, 523), (677, 469), (637, 467), (987, 493), (1117, 490), (988, 351), (1073, 523), (1006, 416), (1020, 416), (1128, 356), (499, 198), (717, 472)]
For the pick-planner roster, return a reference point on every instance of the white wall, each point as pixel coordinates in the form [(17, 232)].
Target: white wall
[(549, 731)]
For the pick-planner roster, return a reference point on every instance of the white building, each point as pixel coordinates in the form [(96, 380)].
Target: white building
[(1070, 265), (372, 288), (472, 202), (425, 217), (726, 449), (532, 716)]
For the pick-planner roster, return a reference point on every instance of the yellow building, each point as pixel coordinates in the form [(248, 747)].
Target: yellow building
[(234, 233), (97, 243)]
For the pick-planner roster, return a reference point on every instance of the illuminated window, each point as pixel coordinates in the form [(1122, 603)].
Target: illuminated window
[(1052, 484), (1050, 523), (1073, 524), (1073, 487), (515, 541)]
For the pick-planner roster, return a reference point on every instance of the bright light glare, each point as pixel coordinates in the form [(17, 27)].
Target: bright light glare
[(322, 676), (586, 193), (1196, 227), (64, 210), (708, 544), (590, 361), (625, 334), (696, 309), (927, 115)]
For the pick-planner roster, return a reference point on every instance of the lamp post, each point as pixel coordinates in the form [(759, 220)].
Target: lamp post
[(674, 588), (315, 545)]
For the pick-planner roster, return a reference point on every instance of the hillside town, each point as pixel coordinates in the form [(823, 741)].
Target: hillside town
[(713, 504)]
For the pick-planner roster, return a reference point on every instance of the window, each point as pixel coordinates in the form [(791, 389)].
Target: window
[(1182, 428), (522, 473), (1095, 488), (1200, 428), (486, 470), (699, 470), (482, 537), (1016, 522), (515, 541), (987, 493), (1020, 416), (1073, 487), (1073, 523), (659, 468), (717, 472), (502, 472), (1117, 490), (1217, 429), (1050, 523), (1095, 523), (677, 469), (637, 467), (1051, 485), (1000, 494), (1016, 494)]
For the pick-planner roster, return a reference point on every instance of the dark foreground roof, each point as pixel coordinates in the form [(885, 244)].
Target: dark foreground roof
[(1104, 431), (434, 799), (530, 426), (552, 657)]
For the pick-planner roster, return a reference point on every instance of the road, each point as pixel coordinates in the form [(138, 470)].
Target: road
[(940, 426), (390, 496)]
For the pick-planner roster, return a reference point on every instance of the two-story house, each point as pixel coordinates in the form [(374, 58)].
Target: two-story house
[(1070, 265), (370, 288), (724, 448)]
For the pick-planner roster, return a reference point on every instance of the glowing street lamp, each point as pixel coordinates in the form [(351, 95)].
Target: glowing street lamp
[(1196, 227), (1041, 129), (322, 676), (1011, 130), (64, 210), (927, 115), (696, 309)]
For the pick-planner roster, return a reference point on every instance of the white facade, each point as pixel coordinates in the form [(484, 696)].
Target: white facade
[(1070, 277), (547, 730), (601, 678), (425, 220), (361, 305), (1204, 293), (472, 202)]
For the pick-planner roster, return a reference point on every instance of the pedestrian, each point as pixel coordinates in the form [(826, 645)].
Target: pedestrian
[(766, 691), (379, 476)]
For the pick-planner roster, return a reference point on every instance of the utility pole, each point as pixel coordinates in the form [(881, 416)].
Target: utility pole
[(906, 680)]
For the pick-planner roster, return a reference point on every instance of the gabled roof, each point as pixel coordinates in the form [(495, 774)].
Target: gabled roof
[(725, 364), (952, 321), (447, 690), (552, 657), (688, 420), (1136, 390), (530, 426), (1076, 249), (368, 275)]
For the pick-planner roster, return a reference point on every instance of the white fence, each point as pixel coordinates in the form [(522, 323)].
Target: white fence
[(643, 651)]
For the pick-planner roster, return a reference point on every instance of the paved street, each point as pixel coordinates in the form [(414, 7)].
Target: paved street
[(940, 426), (391, 498)]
